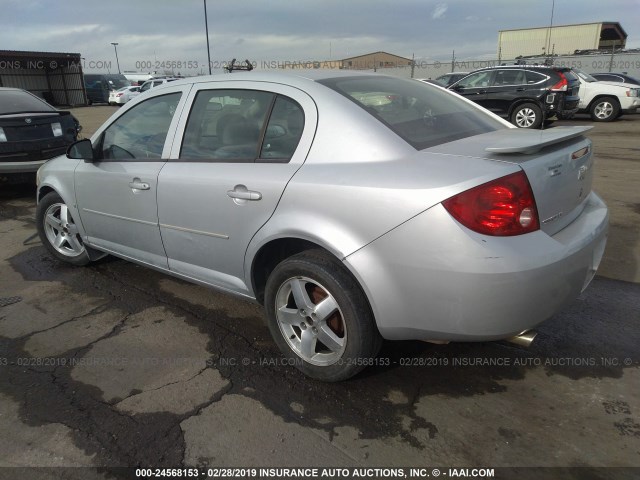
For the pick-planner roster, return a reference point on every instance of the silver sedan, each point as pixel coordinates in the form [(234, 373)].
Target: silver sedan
[(354, 207)]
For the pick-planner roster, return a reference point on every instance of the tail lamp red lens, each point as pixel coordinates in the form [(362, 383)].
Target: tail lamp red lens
[(502, 207), (562, 85)]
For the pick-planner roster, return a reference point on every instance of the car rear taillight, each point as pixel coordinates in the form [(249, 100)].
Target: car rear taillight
[(119, 95), (502, 207), (562, 85)]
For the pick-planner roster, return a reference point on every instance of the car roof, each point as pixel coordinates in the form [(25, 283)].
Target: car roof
[(13, 89), (298, 78), (523, 66)]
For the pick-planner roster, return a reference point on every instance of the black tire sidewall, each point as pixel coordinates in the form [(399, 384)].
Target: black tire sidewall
[(46, 201), (363, 338)]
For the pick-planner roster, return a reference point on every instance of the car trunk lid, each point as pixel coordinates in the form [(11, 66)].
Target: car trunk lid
[(558, 163)]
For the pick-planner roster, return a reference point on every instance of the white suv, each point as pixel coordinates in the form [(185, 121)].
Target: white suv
[(606, 101)]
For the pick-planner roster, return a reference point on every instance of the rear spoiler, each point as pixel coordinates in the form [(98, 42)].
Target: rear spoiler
[(520, 140)]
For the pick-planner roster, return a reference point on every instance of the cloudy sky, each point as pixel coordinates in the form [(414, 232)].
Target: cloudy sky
[(150, 31)]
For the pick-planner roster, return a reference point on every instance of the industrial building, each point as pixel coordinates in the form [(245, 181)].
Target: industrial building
[(368, 61), (55, 77), (560, 39)]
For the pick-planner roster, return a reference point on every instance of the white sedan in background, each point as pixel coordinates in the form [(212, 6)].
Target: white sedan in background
[(123, 95)]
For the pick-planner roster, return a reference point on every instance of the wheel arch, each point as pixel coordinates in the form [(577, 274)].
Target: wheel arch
[(600, 96), (44, 190), (271, 254)]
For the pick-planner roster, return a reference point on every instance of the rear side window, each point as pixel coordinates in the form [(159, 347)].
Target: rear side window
[(534, 77), (510, 77), (242, 126), (423, 115)]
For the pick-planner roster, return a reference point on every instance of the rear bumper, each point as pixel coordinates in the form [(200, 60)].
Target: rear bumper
[(24, 157), (433, 279)]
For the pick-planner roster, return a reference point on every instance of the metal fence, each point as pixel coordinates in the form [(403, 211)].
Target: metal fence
[(619, 62)]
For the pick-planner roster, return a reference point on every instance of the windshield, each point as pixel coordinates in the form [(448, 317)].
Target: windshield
[(423, 115), (16, 101), (584, 76)]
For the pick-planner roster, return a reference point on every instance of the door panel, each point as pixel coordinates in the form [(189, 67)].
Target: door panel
[(474, 87), (211, 206), (116, 193)]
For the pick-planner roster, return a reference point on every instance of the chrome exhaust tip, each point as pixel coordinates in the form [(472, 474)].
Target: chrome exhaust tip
[(524, 339)]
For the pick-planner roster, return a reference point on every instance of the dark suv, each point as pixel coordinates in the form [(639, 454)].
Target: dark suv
[(527, 95)]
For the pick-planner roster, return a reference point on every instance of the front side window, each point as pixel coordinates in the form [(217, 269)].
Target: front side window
[(421, 114), (140, 133), (242, 126)]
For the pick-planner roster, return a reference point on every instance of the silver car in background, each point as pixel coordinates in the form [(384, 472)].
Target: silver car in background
[(354, 207)]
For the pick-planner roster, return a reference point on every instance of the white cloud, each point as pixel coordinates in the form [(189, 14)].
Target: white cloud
[(439, 11)]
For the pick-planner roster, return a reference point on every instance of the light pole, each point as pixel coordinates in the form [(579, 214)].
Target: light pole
[(206, 28), (115, 47)]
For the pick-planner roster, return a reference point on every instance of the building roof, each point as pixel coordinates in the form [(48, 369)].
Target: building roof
[(374, 53), (614, 24)]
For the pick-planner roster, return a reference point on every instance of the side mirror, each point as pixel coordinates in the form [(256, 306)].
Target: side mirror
[(81, 150)]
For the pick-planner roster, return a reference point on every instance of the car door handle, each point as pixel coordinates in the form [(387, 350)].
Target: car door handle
[(520, 89), (138, 185), (481, 92), (240, 192)]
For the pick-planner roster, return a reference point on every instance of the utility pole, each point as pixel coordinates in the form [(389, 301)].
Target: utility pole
[(206, 28), (115, 47), (453, 61)]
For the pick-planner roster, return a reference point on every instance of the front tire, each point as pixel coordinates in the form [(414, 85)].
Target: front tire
[(605, 109), (58, 231), (319, 317), (527, 115)]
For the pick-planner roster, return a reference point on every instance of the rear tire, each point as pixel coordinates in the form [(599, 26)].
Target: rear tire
[(320, 318), (605, 109), (527, 115)]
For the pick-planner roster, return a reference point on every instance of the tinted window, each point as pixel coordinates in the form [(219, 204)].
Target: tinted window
[(421, 114), (534, 77), (226, 125), (15, 101), (140, 132)]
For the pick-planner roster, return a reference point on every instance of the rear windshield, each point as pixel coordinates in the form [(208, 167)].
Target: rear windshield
[(15, 101), (584, 76), (423, 115)]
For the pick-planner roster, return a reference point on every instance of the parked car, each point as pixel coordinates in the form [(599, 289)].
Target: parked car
[(526, 95), (31, 131), (616, 77), (447, 79), (606, 101), (123, 95), (427, 218), (99, 86), (156, 82)]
